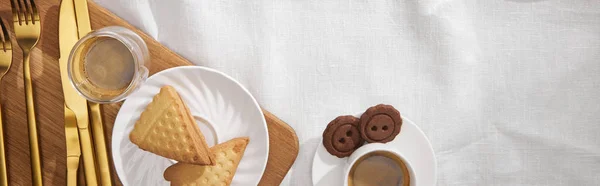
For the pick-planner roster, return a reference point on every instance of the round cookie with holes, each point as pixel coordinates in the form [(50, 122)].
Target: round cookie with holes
[(380, 124), (341, 137)]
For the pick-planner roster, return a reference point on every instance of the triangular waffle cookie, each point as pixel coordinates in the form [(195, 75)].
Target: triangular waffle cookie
[(228, 156), (167, 128)]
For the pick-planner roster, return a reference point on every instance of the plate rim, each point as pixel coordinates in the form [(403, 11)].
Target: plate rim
[(115, 151)]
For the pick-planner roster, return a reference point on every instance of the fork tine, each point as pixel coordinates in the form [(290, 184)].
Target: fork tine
[(21, 12), (3, 38), (6, 43), (34, 11), (25, 11), (15, 11)]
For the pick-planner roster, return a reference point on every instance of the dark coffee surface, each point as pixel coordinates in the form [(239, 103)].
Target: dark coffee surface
[(379, 171)]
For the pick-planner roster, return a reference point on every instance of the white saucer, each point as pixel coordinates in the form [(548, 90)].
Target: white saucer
[(328, 170), (223, 110)]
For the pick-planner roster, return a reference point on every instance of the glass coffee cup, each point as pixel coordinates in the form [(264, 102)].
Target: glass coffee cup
[(108, 64)]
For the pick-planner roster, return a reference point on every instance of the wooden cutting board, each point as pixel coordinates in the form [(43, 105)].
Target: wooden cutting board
[(49, 103)]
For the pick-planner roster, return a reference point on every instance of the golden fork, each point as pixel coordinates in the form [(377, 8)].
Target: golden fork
[(27, 27), (5, 62)]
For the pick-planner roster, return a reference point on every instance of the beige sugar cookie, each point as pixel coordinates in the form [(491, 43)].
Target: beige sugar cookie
[(167, 128), (227, 156)]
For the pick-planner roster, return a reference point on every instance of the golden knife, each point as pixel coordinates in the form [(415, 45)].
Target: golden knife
[(73, 151), (68, 36), (84, 27), (100, 144)]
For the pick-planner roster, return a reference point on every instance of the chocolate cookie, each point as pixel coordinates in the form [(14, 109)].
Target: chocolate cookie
[(341, 137), (380, 123)]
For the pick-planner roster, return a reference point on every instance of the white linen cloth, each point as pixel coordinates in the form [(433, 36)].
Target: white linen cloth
[(506, 91)]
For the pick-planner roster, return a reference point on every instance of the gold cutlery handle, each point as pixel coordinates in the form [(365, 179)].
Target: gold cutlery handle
[(72, 166), (36, 167), (100, 144), (87, 150), (3, 171), (73, 149)]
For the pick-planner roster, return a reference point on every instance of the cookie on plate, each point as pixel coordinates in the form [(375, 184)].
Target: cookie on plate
[(227, 156), (342, 137), (166, 128), (380, 123)]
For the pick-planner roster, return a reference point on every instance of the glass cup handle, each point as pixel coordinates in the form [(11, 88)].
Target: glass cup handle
[(144, 73)]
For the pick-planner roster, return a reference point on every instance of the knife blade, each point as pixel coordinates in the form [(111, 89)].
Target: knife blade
[(84, 27), (68, 36)]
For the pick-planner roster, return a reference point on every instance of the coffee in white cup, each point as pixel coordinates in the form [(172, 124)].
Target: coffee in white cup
[(378, 164)]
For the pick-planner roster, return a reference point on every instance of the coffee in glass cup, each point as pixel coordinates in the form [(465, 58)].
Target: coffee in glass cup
[(108, 64)]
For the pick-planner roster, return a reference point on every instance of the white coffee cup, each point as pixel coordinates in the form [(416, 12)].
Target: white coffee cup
[(378, 149)]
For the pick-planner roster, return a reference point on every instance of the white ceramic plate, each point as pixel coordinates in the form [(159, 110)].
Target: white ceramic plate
[(328, 170), (223, 110)]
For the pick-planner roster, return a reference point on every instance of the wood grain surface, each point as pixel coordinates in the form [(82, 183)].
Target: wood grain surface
[(49, 103)]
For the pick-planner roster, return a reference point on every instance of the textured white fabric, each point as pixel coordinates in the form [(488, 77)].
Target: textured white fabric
[(506, 91)]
